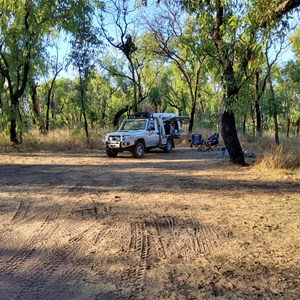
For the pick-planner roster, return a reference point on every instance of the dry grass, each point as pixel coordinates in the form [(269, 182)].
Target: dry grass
[(269, 155), (56, 140), (272, 156)]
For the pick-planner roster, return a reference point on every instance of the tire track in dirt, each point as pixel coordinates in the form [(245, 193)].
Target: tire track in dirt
[(76, 255), (61, 265), (25, 213), (18, 257), (132, 281), (204, 239), (22, 211), (181, 238), (159, 238)]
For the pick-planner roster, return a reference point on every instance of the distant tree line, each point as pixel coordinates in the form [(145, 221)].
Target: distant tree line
[(216, 61)]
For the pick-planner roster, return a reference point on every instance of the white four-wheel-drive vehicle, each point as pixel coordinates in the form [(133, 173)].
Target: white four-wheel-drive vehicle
[(144, 131)]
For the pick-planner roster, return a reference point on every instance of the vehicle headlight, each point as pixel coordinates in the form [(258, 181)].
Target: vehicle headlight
[(106, 137), (129, 138)]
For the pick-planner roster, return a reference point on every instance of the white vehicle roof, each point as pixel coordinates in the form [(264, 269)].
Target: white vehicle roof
[(169, 116)]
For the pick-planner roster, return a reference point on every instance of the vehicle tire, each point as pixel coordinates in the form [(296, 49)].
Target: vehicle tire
[(169, 146), (138, 150), (111, 152)]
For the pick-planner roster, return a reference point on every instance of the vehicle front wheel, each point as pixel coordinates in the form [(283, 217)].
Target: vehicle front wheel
[(111, 152), (169, 146), (138, 150)]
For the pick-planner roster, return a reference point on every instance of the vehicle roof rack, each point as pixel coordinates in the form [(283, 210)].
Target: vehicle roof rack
[(140, 115)]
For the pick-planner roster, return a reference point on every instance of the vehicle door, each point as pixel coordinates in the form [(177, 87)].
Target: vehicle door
[(152, 134)]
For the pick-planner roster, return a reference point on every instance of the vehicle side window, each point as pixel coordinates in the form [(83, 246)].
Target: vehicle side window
[(151, 126)]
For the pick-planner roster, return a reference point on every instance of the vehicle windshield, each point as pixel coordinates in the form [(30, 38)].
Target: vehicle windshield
[(134, 125)]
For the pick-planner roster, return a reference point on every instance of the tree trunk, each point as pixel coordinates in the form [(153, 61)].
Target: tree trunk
[(258, 118), (228, 127), (82, 88), (274, 105), (288, 127), (36, 108), (13, 121), (244, 124), (230, 137), (2, 81), (48, 110), (191, 123), (297, 124), (288, 117), (13, 131), (86, 126), (260, 87), (124, 110), (119, 114)]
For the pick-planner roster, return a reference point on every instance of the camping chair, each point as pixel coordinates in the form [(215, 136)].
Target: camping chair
[(196, 142), (212, 141)]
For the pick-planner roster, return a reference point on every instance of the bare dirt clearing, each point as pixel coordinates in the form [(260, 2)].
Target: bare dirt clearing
[(184, 225)]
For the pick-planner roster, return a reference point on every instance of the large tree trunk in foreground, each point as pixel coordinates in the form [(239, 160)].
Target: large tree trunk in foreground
[(230, 137), (228, 127)]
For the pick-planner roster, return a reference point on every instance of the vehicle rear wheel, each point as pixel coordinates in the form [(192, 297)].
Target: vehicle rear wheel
[(111, 152), (169, 146), (138, 150)]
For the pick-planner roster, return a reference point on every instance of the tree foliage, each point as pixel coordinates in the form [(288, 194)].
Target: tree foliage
[(23, 28), (203, 58)]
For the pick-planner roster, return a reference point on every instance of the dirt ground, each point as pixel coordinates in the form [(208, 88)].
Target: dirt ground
[(184, 225)]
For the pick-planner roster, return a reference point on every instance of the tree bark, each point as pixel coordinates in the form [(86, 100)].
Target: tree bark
[(13, 121), (84, 116), (273, 101), (36, 108), (228, 127), (119, 114), (123, 110), (259, 90), (193, 110), (230, 137)]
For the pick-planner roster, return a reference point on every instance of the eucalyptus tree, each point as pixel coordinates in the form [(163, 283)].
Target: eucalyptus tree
[(66, 113), (294, 72), (288, 88), (23, 27), (84, 51), (271, 45), (234, 28), (175, 95), (151, 70), (113, 67), (101, 93), (178, 39), (295, 41), (53, 67), (272, 95), (116, 19)]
